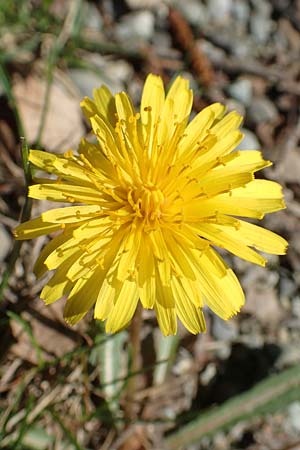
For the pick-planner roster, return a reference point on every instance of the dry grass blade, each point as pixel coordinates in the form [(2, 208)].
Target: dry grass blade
[(184, 38)]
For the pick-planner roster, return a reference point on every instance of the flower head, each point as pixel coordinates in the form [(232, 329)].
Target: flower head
[(149, 201)]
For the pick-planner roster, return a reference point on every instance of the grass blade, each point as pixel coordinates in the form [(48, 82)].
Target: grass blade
[(267, 396)]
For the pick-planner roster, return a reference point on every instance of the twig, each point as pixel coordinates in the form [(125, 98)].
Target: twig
[(184, 38)]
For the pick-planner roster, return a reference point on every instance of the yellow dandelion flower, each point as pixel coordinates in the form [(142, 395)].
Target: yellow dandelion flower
[(150, 200)]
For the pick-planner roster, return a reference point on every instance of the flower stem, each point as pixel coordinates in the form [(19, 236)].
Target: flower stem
[(136, 362), (25, 215)]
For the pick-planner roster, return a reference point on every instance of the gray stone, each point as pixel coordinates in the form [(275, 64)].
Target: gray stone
[(234, 105), (92, 17), (244, 47), (194, 12), (241, 90), (261, 28), (296, 307), (119, 70), (213, 52), (223, 330), (294, 416), (241, 11), (114, 74), (249, 142), (5, 242), (138, 4), (262, 110), (162, 41), (287, 288), (138, 25), (86, 81), (263, 7), (220, 10)]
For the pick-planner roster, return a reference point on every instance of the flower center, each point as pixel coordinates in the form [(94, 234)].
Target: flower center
[(147, 201)]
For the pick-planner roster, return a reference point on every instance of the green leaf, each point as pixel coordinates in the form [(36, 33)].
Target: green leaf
[(166, 347), (108, 357), (269, 395)]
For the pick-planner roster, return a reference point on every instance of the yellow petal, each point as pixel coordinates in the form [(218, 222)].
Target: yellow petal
[(166, 318), (248, 160), (105, 301), (147, 292), (91, 252), (57, 287), (181, 263), (124, 308), (195, 130), (68, 251), (230, 239), (191, 317), (224, 181), (259, 238), (124, 107), (84, 295), (160, 252), (146, 274), (229, 123), (218, 109), (39, 267), (71, 168), (71, 214), (151, 106), (105, 135), (257, 198), (182, 95), (224, 296), (127, 261), (88, 107), (105, 103), (212, 155), (65, 193), (34, 228)]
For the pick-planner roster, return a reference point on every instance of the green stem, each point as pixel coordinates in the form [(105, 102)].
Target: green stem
[(136, 362), (4, 80), (25, 215)]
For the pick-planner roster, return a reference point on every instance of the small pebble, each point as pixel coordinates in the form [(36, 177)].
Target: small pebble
[(194, 12), (224, 330), (87, 81), (92, 17), (296, 306), (262, 110), (136, 26), (249, 142), (294, 416), (6, 241), (241, 90), (287, 287), (261, 28), (220, 10), (234, 105), (241, 11)]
